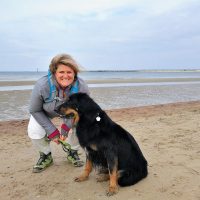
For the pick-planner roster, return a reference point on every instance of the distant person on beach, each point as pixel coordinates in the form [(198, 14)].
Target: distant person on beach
[(49, 92)]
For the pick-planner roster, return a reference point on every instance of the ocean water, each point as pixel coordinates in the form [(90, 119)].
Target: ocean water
[(101, 75)]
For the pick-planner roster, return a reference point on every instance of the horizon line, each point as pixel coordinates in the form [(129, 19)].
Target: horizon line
[(140, 70)]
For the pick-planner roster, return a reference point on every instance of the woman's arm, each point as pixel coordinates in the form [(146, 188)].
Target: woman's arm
[(36, 110)]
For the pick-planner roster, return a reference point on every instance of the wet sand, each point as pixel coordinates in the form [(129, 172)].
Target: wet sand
[(167, 134), (15, 104)]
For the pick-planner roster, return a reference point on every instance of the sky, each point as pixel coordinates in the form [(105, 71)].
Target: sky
[(100, 34)]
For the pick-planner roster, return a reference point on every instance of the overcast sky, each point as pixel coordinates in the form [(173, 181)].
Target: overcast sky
[(100, 34)]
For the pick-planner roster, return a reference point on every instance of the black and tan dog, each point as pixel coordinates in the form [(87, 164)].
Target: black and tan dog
[(108, 146)]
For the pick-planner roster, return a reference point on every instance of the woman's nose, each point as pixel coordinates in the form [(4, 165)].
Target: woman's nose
[(65, 75)]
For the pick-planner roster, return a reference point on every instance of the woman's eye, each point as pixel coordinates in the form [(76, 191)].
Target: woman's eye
[(63, 72)]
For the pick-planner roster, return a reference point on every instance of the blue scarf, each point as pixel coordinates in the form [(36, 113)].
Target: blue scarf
[(52, 87)]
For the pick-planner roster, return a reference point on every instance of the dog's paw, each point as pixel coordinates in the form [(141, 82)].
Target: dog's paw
[(80, 178), (112, 190)]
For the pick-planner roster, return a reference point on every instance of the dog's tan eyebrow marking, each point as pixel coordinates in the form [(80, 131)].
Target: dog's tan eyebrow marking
[(62, 110), (69, 110)]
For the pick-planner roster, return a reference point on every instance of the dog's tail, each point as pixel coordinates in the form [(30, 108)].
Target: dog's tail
[(130, 177)]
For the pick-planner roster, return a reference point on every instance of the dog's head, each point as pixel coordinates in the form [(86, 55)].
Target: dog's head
[(78, 105)]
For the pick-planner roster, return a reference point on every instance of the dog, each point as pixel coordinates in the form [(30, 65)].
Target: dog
[(108, 146)]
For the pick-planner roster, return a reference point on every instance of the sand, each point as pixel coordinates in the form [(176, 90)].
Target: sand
[(167, 134)]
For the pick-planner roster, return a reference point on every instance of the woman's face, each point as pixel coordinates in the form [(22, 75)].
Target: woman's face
[(64, 75)]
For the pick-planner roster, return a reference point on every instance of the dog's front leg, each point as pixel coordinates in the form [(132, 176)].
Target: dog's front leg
[(84, 176), (113, 184)]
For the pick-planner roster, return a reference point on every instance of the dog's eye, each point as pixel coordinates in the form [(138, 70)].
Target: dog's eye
[(70, 115)]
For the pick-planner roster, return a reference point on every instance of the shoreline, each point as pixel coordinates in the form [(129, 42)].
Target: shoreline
[(167, 134), (133, 80), (15, 104)]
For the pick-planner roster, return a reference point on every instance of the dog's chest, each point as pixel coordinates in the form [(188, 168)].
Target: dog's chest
[(88, 133), (84, 137)]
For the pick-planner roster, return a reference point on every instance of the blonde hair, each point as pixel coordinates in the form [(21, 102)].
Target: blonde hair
[(64, 59)]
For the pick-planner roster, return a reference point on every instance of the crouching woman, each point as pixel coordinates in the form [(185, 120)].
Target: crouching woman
[(49, 92)]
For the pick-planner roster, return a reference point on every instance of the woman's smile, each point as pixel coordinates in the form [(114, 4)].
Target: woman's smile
[(64, 75)]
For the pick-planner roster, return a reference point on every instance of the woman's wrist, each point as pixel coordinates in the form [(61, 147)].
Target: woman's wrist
[(53, 135)]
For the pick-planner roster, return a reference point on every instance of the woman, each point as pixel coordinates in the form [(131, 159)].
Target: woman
[(49, 92)]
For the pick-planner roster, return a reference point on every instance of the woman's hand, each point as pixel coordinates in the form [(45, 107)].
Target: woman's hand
[(56, 140), (62, 137)]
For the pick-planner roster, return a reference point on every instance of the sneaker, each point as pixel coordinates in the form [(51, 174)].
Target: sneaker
[(43, 162), (74, 158)]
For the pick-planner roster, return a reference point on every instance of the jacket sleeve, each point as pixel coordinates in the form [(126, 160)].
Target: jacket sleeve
[(36, 110)]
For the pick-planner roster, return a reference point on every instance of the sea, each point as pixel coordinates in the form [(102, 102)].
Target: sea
[(14, 100), (93, 75), (102, 75)]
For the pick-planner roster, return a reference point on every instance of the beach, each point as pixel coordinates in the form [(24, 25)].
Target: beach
[(164, 120), (167, 134)]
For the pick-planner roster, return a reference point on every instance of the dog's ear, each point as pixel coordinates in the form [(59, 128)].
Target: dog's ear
[(79, 101), (89, 108), (78, 97), (85, 105)]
